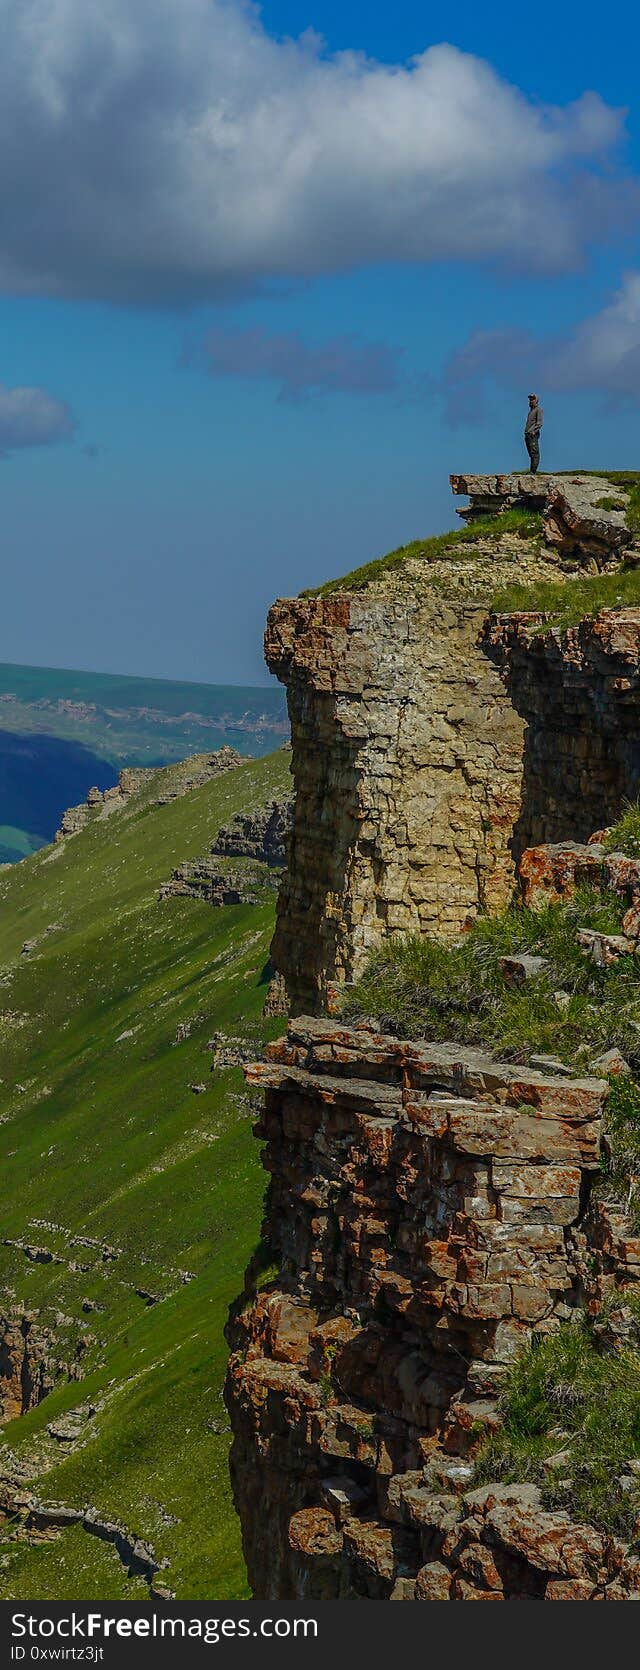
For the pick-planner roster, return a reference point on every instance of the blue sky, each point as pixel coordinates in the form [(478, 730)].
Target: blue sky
[(256, 300)]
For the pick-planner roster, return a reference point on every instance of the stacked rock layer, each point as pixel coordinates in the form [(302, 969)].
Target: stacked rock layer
[(428, 1208)]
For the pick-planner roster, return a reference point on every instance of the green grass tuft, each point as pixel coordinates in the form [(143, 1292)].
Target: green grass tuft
[(454, 543), (624, 836), (418, 987), (569, 1397), (565, 603)]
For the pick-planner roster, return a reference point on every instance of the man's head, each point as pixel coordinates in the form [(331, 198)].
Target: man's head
[(533, 400)]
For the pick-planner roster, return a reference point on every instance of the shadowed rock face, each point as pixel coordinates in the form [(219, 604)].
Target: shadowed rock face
[(579, 695), (428, 1207), (262, 834)]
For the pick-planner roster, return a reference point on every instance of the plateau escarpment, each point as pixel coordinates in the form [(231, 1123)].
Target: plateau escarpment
[(188, 775), (433, 1393)]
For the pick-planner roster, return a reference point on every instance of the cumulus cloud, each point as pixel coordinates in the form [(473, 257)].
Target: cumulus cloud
[(343, 365), (601, 356), (171, 149), (30, 417)]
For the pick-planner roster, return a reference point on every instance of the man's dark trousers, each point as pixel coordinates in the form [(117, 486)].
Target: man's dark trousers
[(532, 443)]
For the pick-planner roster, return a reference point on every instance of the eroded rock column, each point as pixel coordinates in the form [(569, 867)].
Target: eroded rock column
[(407, 761)]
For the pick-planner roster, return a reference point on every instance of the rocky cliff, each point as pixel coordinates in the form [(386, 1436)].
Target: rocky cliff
[(433, 739), (433, 1209), (407, 764), (428, 1208)]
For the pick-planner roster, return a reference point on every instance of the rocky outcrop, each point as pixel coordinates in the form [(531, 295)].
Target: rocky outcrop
[(27, 1363), (406, 762), (428, 1207), (103, 801), (584, 518), (213, 884), (195, 771), (257, 842), (276, 1001), (262, 834), (550, 875), (29, 1515), (432, 742), (491, 495)]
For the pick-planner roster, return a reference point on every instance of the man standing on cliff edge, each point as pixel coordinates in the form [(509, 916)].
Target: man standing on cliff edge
[(532, 430)]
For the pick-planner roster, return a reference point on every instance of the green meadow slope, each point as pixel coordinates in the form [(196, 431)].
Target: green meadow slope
[(104, 1024)]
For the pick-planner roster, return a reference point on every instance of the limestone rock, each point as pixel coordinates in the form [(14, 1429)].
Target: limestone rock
[(612, 1061), (432, 744), (604, 949), (584, 517), (428, 1208)]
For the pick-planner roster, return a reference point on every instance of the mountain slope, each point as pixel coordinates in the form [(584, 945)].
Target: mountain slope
[(131, 1202)]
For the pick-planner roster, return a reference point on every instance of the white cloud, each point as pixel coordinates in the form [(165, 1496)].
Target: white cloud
[(604, 352), (153, 149), (601, 355), (30, 417)]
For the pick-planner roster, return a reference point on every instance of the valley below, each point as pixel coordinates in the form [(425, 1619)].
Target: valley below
[(64, 732)]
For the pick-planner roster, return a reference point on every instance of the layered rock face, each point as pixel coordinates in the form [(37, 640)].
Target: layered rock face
[(406, 763), (579, 695), (27, 1366), (428, 1207), (204, 879), (259, 837), (433, 740), (585, 517)]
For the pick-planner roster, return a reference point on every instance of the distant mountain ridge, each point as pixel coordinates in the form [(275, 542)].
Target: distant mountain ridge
[(62, 731)]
